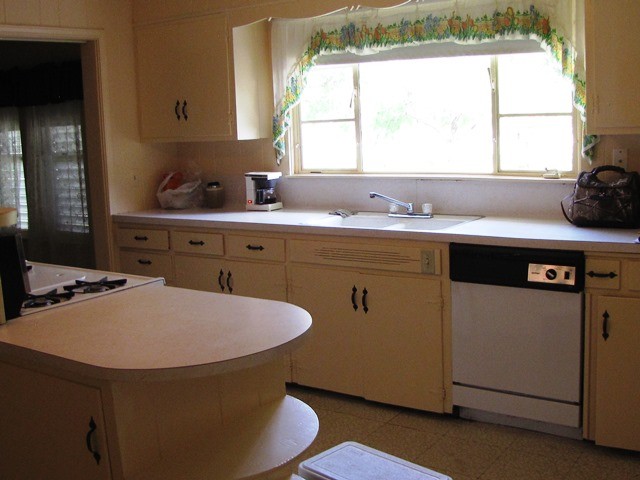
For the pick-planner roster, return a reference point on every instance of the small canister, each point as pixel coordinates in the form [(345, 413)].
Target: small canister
[(214, 195)]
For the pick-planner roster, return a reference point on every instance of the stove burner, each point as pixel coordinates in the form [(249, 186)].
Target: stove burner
[(102, 285), (46, 299)]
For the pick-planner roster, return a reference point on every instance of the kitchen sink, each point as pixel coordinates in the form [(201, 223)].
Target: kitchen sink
[(376, 220), (360, 220), (437, 222)]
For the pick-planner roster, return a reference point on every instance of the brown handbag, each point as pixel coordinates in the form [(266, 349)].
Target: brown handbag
[(613, 202)]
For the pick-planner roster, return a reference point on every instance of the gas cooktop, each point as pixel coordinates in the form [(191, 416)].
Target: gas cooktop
[(54, 286)]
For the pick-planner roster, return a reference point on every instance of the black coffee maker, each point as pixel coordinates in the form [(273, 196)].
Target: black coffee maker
[(13, 267)]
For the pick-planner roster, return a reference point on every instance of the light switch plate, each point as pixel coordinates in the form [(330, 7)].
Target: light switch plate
[(428, 261)]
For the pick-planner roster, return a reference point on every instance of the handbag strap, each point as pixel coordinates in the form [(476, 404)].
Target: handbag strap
[(608, 168)]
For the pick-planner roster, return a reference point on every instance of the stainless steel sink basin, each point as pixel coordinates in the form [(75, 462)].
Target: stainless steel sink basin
[(375, 220)]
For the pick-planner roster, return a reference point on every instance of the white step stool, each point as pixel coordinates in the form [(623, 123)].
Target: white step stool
[(354, 461)]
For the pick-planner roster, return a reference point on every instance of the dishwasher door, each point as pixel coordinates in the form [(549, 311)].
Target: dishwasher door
[(517, 351)]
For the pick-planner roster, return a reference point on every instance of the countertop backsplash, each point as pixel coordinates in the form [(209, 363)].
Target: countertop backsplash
[(487, 197), (226, 162)]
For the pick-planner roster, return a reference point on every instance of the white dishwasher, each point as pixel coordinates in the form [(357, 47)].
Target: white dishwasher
[(517, 331)]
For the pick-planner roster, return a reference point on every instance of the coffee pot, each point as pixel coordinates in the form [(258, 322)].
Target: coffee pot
[(261, 191)]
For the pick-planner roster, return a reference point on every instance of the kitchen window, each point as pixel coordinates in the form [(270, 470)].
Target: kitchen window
[(505, 114)]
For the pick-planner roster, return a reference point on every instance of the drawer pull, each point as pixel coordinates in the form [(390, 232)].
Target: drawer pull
[(196, 242), (354, 290), (229, 282), (255, 247), (92, 429), (184, 111), (144, 262), (220, 275), (141, 238), (175, 109), (364, 300), (593, 274), (605, 325)]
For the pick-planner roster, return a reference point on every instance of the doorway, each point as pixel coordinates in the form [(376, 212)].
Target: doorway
[(42, 163), (65, 46)]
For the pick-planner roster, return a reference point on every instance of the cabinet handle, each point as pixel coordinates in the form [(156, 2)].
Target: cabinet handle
[(255, 247), (141, 238), (229, 282), (220, 275), (184, 111), (593, 274), (92, 428), (364, 300), (354, 290), (175, 109), (196, 242), (142, 261), (605, 325)]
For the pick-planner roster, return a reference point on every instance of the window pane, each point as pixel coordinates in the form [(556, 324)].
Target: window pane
[(429, 115), (328, 94), (530, 83), (329, 146), (536, 143)]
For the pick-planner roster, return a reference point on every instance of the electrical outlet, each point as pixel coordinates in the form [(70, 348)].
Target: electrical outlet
[(619, 157)]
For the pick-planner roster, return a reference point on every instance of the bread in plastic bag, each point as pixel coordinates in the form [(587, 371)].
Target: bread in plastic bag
[(187, 195)]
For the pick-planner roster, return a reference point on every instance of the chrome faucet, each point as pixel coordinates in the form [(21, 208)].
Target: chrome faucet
[(407, 205)]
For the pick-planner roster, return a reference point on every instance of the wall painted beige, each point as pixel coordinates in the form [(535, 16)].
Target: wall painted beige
[(132, 168)]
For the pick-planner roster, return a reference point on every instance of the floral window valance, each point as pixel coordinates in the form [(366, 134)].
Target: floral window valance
[(556, 24)]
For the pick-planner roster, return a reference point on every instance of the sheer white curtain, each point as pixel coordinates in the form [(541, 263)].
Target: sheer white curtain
[(12, 192), (55, 181), (558, 25)]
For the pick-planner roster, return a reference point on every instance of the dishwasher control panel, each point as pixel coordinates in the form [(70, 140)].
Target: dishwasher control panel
[(556, 274)]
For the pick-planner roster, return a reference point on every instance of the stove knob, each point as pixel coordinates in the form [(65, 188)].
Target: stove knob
[(551, 274)]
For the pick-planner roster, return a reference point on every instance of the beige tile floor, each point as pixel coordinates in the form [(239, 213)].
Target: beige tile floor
[(462, 449)]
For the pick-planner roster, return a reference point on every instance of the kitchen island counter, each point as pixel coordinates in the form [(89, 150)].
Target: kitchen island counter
[(153, 382), (503, 231), (156, 332)]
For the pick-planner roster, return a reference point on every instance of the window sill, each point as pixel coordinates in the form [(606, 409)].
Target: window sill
[(436, 177)]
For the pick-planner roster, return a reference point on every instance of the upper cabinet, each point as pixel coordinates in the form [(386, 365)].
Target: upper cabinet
[(187, 89), (612, 56)]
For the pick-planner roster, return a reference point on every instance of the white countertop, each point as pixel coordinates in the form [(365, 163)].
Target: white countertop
[(155, 332), (517, 232)]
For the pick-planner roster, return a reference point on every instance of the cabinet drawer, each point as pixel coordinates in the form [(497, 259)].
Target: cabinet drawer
[(602, 273), (196, 242), (143, 238), (257, 248), (147, 264), (632, 276)]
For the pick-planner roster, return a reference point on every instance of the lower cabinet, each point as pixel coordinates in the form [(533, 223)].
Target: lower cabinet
[(375, 336), (616, 323), (50, 428), (258, 280)]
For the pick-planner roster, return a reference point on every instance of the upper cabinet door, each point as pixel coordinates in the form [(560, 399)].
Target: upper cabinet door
[(184, 81), (612, 56)]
